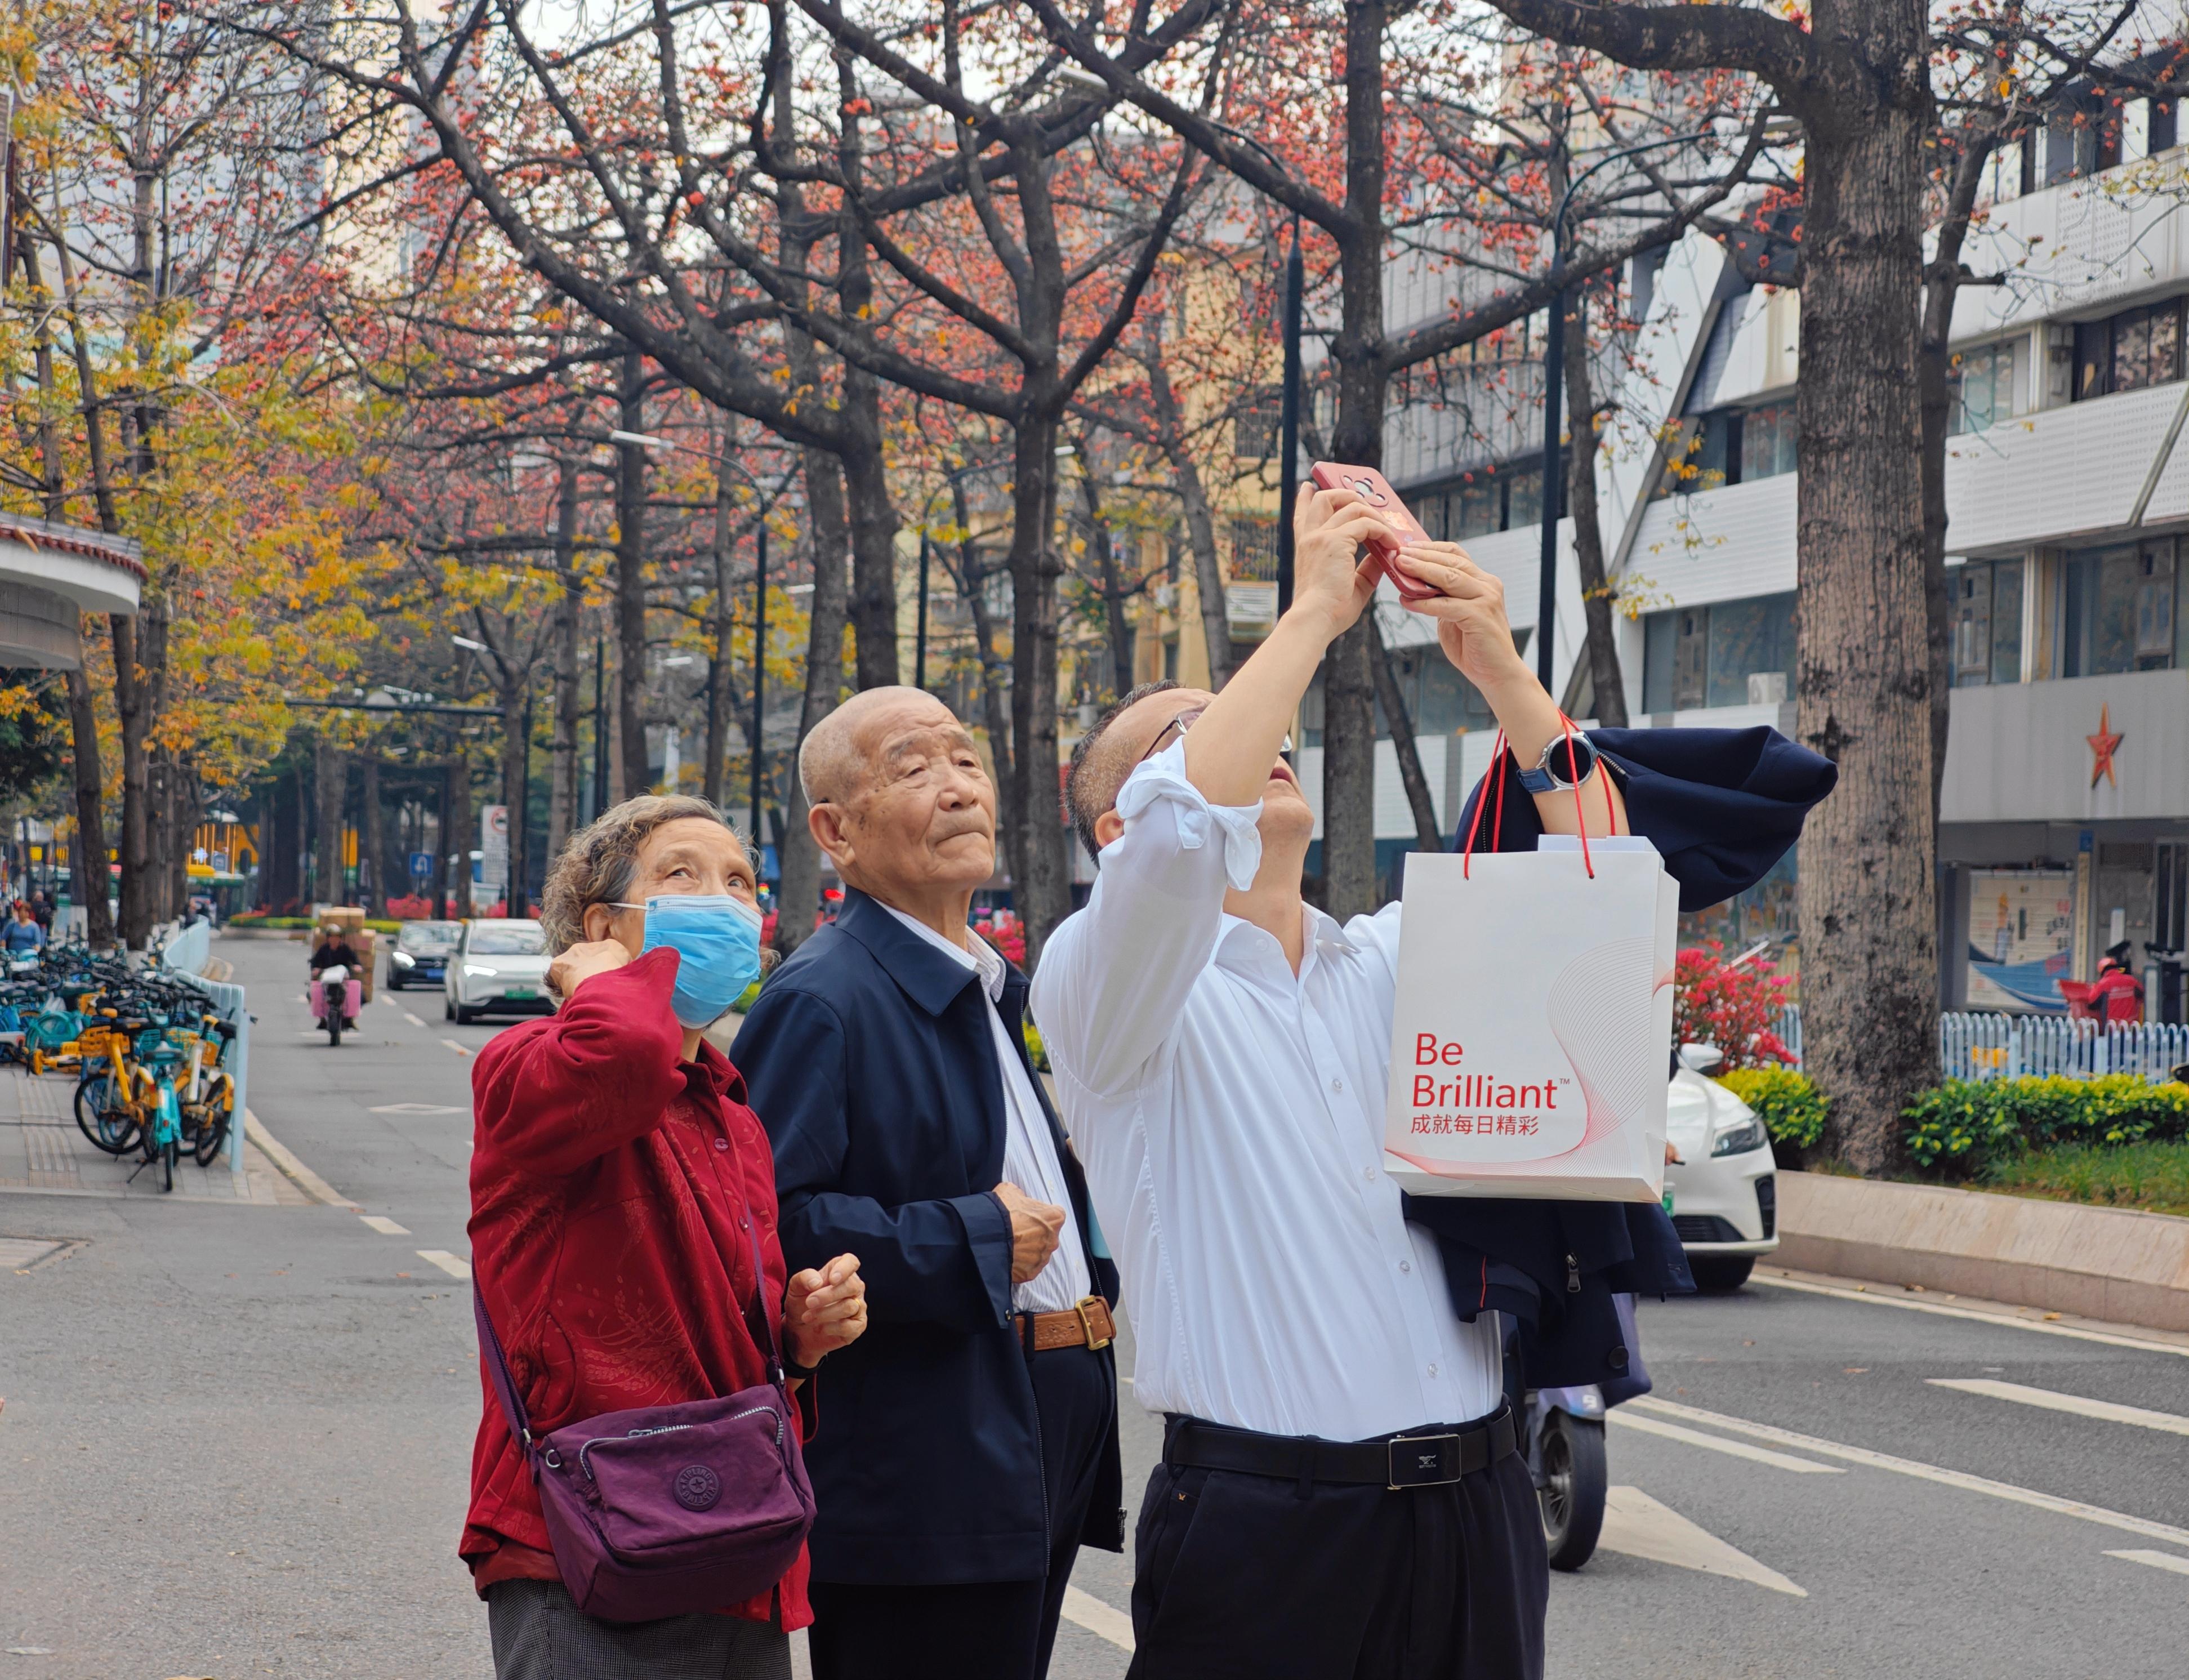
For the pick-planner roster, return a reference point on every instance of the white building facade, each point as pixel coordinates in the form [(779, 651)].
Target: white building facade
[(2065, 820)]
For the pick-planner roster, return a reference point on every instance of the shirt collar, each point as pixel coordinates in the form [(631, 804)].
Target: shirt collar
[(1323, 933), (977, 954)]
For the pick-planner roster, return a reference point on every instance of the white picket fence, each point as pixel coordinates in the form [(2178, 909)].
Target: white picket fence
[(2008, 1046)]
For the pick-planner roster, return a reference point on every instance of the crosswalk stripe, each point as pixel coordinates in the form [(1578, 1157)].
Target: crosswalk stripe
[(1761, 1455), (1916, 1467), (412, 1019), (1104, 1621), (446, 1261), (2157, 1560), (2050, 1400), (461, 1050), (1640, 1527), (384, 1225)]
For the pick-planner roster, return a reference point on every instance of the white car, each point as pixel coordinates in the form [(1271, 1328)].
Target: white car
[(497, 965), (1724, 1195)]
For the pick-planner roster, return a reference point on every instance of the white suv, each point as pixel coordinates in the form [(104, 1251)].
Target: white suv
[(497, 965)]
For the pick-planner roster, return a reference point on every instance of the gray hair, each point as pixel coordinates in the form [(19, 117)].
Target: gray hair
[(598, 862)]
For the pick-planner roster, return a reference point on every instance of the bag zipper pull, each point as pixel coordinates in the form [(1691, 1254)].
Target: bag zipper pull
[(1573, 1274)]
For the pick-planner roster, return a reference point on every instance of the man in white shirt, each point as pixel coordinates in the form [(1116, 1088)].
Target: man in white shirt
[(1339, 1495), (971, 1448)]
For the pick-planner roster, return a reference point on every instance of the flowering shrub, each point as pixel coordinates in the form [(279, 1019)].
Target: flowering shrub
[(1006, 932), (1736, 1007)]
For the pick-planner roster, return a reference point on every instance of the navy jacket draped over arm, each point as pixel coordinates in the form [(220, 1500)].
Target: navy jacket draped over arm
[(1722, 805)]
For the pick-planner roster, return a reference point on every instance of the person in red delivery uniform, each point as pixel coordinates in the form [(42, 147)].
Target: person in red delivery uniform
[(2118, 994), (614, 1164)]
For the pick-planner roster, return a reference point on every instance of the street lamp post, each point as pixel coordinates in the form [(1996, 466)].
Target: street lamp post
[(1554, 366)]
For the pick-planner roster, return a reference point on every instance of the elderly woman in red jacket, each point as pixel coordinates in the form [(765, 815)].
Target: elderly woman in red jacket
[(614, 1165)]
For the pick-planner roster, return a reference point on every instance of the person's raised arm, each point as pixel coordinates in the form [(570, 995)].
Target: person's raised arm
[(1476, 639)]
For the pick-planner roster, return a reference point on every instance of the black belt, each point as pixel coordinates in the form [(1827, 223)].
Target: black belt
[(1429, 1458)]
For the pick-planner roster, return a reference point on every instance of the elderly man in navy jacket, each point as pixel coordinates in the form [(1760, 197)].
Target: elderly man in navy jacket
[(968, 1441)]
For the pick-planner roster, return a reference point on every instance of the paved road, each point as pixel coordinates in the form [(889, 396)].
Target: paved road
[(235, 1440)]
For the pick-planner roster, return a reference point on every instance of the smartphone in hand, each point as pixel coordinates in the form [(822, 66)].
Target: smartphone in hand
[(1372, 487)]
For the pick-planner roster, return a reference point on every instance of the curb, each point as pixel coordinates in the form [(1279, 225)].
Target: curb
[(292, 1169), (2103, 1263)]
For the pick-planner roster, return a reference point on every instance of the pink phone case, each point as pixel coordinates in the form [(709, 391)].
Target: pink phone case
[(1372, 487)]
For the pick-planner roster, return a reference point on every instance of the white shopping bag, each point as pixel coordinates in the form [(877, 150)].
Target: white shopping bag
[(1531, 1040)]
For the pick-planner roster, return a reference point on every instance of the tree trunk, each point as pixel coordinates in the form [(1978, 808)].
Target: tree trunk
[(444, 829), (459, 844), (1609, 686), (874, 535), (515, 698), (392, 861), (90, 860), (332, 784), (799, 857), (1348, 703), (132, 700), (1200, 519), (563, 748), (1041, 879), (1114, 594), (995, 692), (1934, 395), (630, 582), (372, 829), (721, 632), (1428, 833), (1870, 956)]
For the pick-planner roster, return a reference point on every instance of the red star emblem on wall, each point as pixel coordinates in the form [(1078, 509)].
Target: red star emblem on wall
[(2103, 745)]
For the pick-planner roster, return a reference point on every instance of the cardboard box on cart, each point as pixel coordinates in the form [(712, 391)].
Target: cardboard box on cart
[(1530, 1042), (350, 917)]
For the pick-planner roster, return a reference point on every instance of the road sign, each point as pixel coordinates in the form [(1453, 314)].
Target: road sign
[(421, 865), (494, 845)]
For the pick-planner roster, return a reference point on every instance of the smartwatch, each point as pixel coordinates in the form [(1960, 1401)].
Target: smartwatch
[(1546, 776)]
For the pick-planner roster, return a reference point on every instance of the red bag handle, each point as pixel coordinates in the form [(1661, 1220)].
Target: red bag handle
[(1499, 753)]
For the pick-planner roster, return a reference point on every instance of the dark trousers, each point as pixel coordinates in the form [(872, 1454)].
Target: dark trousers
[(1000, 1630), (1270, 1579)]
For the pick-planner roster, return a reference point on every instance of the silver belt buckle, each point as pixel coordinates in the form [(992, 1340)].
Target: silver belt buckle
[(1418, 1461)]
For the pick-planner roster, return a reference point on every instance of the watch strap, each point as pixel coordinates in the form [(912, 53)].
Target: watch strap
[(1542, 778)]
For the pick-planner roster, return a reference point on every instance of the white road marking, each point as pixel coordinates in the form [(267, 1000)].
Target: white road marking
[(461, 1050), (446, 1261), (1761, 1455), (416, 1108), (1929, 1472), (286, 1158), (2052, 1401), (1640, 1527), (384, 1225), (2157, 1560), (1104, 1621), (1943, 1310), (412, 1019)]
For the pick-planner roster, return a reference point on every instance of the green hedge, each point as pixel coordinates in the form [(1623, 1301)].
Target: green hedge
[(1965, 1126), (1790, 1108)]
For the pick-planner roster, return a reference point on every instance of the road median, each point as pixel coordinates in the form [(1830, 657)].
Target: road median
[(2105, 1263)]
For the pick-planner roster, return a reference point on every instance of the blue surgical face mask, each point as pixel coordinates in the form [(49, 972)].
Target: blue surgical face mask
[(716, 940)]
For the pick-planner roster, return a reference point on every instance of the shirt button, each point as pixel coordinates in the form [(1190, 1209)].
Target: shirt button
[(1432, 1368), (1338, 1084), (1369, 1174), (721, 1143), (1405, 1265)]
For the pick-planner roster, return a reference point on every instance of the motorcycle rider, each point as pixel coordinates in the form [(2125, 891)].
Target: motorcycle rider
[(334, 950)]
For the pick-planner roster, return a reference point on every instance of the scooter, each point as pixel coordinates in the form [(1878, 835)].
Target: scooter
[(1565, 1452), (335, 981)]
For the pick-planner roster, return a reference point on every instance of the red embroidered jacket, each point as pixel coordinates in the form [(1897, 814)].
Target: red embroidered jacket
[(608, 1180)]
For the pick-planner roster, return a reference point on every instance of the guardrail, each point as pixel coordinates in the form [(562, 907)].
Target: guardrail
[(2010, 1046)]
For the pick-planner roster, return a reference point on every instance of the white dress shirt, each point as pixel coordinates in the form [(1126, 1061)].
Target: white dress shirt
[(1229, 1115), (1029, 1151)]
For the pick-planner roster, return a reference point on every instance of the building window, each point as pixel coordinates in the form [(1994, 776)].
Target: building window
[(1986, 598), (1985, 386), (1729, 654), (1254, 551), (1489, 500), (2128, 351), (1258, 428), (2117, 609), (1731, 446)]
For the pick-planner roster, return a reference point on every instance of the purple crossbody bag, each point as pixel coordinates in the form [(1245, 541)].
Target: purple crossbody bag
[(665, 1510)]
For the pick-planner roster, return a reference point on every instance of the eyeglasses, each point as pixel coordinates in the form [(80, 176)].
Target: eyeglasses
[(1185, 721)]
